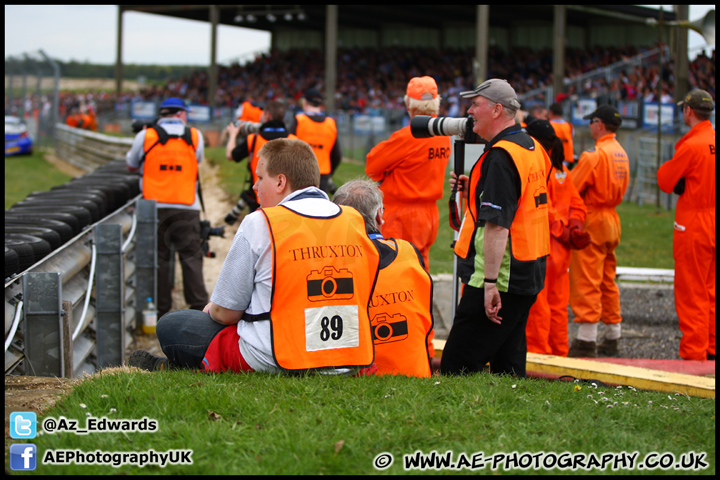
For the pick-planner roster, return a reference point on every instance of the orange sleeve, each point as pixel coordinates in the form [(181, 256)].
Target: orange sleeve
[(577, 205), (582, 175), (674, 169), (385, 156)]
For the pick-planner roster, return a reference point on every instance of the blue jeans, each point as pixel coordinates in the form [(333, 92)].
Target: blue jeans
[(185, 335)]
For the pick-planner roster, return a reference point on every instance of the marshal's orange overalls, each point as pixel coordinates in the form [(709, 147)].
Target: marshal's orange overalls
[(412, 172), (694, 238), (564, 132), (601, 178), (547, 325)]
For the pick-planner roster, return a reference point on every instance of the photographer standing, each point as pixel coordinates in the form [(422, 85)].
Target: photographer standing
[(168, 155), (320, 131), (272, 127), (507, 221), (412, 172)]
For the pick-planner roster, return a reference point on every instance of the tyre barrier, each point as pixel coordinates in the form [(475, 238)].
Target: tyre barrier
[(77, 204)]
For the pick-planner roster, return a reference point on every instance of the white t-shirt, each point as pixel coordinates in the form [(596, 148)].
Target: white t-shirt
[(245, 281)]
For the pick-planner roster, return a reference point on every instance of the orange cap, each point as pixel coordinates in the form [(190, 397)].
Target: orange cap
[(422, 88)]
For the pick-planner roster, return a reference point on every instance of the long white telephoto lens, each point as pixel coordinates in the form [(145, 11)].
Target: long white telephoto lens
[(424, 126)]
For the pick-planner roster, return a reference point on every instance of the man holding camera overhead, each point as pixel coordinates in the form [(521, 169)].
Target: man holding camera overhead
[(503, 242), (412, 172), (168, 154)]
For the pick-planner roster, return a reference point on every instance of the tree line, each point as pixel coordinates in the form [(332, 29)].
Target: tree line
[(76, 69)]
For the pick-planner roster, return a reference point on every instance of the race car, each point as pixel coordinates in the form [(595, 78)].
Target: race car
[(17, 139)]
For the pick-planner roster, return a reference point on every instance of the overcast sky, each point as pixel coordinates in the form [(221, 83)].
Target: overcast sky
[(88, 33)]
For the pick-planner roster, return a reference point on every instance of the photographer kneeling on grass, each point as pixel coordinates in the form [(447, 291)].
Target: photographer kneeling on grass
[(293, 293)]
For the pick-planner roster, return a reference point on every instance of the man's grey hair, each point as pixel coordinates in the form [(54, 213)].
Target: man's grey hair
[(363, 195)]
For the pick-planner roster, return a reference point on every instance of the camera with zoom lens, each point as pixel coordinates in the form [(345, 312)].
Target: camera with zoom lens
[(246, 128), (425, 126), (206, 231), (247, 199)]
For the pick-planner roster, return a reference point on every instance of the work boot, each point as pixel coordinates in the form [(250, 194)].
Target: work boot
[(145, 360), (608, 348), (581, 348)]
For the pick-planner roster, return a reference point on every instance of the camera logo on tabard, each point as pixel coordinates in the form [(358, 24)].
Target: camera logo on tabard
[(330, 284), (389, 328)]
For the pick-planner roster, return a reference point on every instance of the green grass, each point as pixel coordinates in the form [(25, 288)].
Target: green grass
[(25, 174), (257, 424)]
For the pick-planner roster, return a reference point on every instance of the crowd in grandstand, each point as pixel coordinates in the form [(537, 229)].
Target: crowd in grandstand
[(373, 79)]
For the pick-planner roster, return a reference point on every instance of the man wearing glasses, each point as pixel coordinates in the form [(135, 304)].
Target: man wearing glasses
[(601, 177)]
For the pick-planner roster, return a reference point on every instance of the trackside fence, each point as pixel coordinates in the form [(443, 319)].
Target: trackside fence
[(76, 310)]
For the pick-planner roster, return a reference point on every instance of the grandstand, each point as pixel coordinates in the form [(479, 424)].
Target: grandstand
[(480, 28)]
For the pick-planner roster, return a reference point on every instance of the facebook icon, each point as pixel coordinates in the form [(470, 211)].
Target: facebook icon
[(23, 456)]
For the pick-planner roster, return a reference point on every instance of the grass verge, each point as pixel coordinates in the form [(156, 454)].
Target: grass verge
[(264, 424), (25, 174)]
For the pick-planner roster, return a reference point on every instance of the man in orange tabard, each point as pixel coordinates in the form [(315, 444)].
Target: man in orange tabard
[(401, 305), (412, 172), (319, 130), (691, 174), (294, 291), (601, 177)]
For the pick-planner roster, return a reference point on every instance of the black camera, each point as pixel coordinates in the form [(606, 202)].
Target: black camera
[(206, 231), (139, 125), (425, 126)]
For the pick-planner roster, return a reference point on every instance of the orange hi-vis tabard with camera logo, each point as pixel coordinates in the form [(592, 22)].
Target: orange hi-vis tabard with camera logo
[(171, 168), (324, 271), (321, 136), (401, 314), (530, 231)]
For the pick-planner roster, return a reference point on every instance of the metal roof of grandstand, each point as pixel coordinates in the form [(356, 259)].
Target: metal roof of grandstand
[(272, 17)]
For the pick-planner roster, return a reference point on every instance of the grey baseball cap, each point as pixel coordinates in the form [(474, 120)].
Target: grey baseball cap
[(496, 90)]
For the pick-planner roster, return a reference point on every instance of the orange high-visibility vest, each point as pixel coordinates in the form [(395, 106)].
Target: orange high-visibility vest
[(324, 271), (529, 232), (253, 153), (250, 113), (321, 136), (401, 314), (171, 169)]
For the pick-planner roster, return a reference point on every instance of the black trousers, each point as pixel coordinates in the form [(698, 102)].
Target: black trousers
[(180, 229), (474, 340)]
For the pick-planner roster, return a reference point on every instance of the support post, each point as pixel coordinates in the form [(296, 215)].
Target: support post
[(109, 296), (145, 256), (42, 293)]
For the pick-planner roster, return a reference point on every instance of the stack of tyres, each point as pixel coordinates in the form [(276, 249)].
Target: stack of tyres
[(44, 221), (29, 249)]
